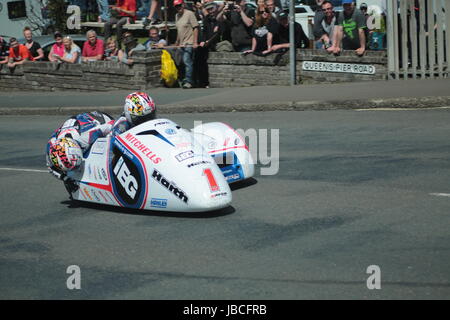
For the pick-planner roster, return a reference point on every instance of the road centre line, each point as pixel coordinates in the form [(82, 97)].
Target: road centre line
[(440, 194), (24, 170), (401, 109)]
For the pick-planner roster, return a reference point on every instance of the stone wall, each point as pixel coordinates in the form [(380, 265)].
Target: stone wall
[(229, 69), (226, 69), (91, 76)]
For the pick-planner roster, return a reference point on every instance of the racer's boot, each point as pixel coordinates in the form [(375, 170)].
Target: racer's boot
[(71, 186)]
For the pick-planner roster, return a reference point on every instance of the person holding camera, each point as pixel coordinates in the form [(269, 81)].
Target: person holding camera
[(112, 50), (240, 19)]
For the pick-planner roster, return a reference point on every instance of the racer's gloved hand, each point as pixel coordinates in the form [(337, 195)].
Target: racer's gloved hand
[(56, 174)]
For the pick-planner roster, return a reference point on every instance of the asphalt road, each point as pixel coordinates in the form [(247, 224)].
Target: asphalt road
[(354, 189)]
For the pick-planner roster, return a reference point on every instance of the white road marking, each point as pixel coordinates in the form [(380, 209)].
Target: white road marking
[(440, 194), (401, 109), (23, 170)]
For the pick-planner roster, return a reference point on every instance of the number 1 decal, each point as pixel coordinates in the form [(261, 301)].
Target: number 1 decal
[(213, 186)]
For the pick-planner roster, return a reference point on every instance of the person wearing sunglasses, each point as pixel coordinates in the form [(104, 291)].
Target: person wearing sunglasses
[(264, 31)]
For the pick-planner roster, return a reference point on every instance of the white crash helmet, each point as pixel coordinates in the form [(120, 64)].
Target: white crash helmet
[(65, 154), (139, 107)]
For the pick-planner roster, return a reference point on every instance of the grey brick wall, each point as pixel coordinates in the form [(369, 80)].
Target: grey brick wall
[(230, 69), (226, 69), (92, 76)]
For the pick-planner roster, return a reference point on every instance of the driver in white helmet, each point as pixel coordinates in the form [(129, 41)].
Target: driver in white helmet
[(68, 143), (139, 107)]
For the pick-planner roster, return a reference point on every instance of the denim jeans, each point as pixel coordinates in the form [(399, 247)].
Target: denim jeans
[(103, 10), (188, 60)]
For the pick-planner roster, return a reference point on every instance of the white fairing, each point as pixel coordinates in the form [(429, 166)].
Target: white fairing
[(228, 149), (155, 166)]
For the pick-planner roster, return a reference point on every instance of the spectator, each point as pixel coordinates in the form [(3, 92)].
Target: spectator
[(270, 4), (93, 48), (57, 48), (154, 41), (103, 11), (122, 13), (263, 33), (112, 50), (301, 39), (326, 25), (187, 39), (4, 51), (211, 27), (350, 30), (151, 19), (240, 19), (363, 8), (318, 30), (33, 46), (72, 52), (318, 5), (131, 46), (208, 40), (18, 53)]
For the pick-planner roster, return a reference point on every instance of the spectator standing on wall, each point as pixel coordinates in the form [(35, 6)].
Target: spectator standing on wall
[(103, 11), (72, 52), (326, 26), (131, 46), (33, 46), (187, 39), (18, 53), (152, 19), (57, 48), (122, 13), (240, 19), (263, 32), (301, 39), (154, 41), (93, 48), (350, 30), (4, 51)]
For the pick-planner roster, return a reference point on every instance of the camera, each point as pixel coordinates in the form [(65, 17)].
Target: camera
[(230, 6)]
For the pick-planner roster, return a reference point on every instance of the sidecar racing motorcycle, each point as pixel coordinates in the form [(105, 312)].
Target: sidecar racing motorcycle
[(158, 165)]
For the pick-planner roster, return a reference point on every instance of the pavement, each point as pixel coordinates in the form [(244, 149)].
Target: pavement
[(431, 93)]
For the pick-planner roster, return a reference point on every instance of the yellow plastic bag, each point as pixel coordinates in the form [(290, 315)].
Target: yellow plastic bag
[(169, 71)]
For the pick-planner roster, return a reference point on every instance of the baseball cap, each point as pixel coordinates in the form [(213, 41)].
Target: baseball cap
[(282, 14), (363, 5), (347, 1), (57, 34), (177, 2), (210, 5)]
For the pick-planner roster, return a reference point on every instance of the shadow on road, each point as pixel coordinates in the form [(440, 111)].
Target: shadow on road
[(243, 184), (73, 204)]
